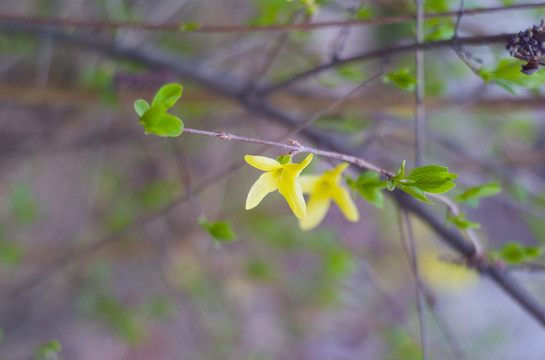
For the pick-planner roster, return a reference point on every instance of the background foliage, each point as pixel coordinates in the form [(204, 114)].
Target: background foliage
[(119, 245)]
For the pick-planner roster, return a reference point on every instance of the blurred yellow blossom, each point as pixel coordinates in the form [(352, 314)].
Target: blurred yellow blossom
[(322, 190)]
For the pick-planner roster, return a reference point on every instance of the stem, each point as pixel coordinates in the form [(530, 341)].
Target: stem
[(413, 263), (420, 123), (362, 163)]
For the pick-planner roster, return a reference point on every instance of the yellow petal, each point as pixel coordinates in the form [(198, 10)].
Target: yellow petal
[(262, 162), (336, 173), (316, 209), (294, 196), (308, 183), (295, 169), (266, 183), (342, 198)]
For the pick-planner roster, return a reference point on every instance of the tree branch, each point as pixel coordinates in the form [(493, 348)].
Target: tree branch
[(179, 27)]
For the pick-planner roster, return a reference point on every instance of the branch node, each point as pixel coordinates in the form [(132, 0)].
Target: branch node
[(225, 136)]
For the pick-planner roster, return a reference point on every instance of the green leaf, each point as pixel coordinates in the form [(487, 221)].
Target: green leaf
[(400, 174), (433, 184), (158, 122), (167, 95), (505, 85), (513, 253), (49, 350), (22, 205), (169, 125), (189, 26), (221, 231), (364, 12), (284, 159), (369, 187), (461, 222), (426, 171), (351, 73), (401, 78), (10, 253), (141, 106), (414, 192), (390, 185), (472, 195), (532, 252), (152, 116)]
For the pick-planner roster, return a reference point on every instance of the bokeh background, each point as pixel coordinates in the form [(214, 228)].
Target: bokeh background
[(100, 246)]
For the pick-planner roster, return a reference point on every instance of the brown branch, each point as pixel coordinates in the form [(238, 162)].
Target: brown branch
[(179, 27), (388, 52)]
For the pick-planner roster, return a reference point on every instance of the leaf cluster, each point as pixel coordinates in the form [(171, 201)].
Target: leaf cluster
[(426, 179), (155, 118)]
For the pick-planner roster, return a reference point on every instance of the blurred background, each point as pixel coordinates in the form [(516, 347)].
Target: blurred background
[(100, 246)]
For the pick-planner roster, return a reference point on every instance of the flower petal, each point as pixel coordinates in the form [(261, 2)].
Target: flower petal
[(266, 183), (336, 173), (342, 198), (262, 162), (308, 183), (294, 195), (316, 209), (295, 169)]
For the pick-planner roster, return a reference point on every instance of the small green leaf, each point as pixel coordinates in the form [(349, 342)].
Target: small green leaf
[(169, 126), (158, 122), (370, 187), (532, 252), (461, 222), (400, 174), (189, 26), (284, 159), (167, 95), (401, 78), (513, 253), (363, 12), (505, 85), (426, 171), (351, 73), (141, 106), (414, 192), (10, 253), (22, 204), (221, 231), (390, 185), (472, 195), (433, 184), (152, 117), (49, 350)]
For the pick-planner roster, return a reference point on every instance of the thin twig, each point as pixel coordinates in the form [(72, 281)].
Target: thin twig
[(362, 163), (454, 210), (179, 27), (410, 248), (459, 18), (386, 53), (420, 121)]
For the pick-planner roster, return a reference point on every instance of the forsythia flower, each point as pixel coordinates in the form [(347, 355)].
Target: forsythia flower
[(322, 190), (281, 177)]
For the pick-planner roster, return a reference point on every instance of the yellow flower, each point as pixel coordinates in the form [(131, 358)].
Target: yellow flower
[(322, 190), (281, 177)]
